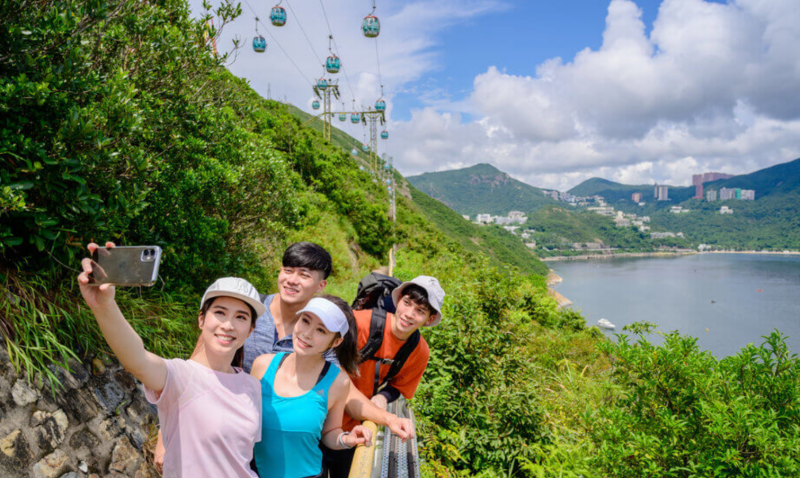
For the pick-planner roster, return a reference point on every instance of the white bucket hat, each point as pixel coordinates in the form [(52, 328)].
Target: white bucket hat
[(329, 313), (435, 295), (238, 289)]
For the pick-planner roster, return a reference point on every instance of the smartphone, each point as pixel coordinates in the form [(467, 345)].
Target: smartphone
[(125, 266)]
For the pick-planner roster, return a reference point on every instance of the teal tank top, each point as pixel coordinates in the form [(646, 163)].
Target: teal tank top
[(292, 427)]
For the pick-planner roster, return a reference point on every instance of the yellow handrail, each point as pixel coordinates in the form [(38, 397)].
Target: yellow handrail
[(362, 459)]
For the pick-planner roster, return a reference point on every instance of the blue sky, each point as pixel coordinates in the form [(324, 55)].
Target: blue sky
[(554, 92), (515, 39)]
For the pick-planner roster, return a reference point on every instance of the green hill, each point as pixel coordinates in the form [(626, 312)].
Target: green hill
[(493, 241), (480, 189), (614, 192), (780, 179)]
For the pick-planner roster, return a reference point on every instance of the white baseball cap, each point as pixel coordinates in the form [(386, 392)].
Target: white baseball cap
[(329, 313), (238, 289), (435, 295)]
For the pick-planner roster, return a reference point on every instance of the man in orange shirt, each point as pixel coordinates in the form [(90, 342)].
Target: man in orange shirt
[(418, 304)]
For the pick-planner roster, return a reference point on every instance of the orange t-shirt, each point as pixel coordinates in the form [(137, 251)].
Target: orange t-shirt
[(405, 381)]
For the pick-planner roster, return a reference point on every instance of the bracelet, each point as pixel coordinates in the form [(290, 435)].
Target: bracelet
[(341, 443)]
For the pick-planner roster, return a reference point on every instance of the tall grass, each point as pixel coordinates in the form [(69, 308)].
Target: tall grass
[(45, 324)]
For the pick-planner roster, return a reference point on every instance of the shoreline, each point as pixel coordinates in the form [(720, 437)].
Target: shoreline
[(587, 257), (770, 253), (553, 279)]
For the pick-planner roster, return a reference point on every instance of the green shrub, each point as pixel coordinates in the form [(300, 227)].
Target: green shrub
[(684, 413)]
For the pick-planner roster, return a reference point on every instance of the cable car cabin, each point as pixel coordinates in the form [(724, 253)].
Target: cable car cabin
[(333, 64), (384, 134), (342, 117), (364, 147), (380, 105), (371, 26), (355, 118), (322, 84), (354, 152), (315, 104), (387, 166), (278, 16), (259, 44), (389, 182)]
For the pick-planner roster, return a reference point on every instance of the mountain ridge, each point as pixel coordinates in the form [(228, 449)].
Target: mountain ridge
[(779, 178), (480, 189)]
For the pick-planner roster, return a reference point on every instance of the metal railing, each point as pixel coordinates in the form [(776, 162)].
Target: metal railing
[(388, 457)]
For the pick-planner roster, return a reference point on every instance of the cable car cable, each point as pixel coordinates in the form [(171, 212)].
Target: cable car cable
[(289, 4), (279, 44), (336, 47)]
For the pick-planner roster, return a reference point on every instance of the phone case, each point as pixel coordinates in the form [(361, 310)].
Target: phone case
[(125, 266)]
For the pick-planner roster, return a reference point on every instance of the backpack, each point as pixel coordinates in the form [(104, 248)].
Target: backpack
[(375, 292)]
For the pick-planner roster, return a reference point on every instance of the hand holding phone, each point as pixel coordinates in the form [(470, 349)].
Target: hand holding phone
[(124, 265)]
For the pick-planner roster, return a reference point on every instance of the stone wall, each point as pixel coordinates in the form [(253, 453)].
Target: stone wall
[(95, 426)]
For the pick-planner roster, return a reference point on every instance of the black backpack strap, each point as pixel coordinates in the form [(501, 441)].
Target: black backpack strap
[(283, 359), (324, 371), (402, 355), (377, 325)]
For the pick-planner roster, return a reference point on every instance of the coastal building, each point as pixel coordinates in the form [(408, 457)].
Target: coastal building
[(567, 197), (484, 218), (699, 179), (514, 217), (620, 221), (726, 194), (661, 193), (661, 235), (511, 229), (465, 217), (644, 228), (636, 197), (748, 194), (552, 194), (711, 196), (725, 210), (531, 245), (602, 210)]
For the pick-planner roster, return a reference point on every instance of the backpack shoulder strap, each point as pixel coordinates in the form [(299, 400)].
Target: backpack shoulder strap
[(377, 325), (402, 355)]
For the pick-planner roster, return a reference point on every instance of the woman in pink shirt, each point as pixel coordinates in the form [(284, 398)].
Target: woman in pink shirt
[(209, 410)]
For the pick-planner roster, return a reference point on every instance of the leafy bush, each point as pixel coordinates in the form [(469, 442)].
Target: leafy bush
[(683, 413)]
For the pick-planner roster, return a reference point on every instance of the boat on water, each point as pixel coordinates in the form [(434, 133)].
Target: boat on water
[(606, 324)]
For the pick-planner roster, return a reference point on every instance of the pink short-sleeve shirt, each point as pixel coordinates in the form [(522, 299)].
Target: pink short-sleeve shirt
[(210, 421)]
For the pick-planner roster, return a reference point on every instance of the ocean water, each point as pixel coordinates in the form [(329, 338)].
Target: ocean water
[(739, 298)]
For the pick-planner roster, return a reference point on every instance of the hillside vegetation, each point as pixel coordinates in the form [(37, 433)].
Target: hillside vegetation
[(493, 241), (480, 189), (119, 123)]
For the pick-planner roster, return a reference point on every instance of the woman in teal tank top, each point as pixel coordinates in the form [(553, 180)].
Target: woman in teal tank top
[(303, 396)]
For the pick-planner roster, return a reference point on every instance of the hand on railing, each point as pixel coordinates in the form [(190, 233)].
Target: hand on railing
[(402, 427)]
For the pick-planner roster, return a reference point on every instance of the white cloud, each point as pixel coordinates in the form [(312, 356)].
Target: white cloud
[(713, 87), (406, 45)]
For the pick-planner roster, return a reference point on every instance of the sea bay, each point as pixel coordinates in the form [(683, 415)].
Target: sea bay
[(725, 300)]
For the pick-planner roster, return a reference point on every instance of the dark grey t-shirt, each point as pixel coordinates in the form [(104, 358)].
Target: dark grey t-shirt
[(264, 339)]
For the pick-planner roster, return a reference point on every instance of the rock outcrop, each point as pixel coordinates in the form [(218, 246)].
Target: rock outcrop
[(96, 425)]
